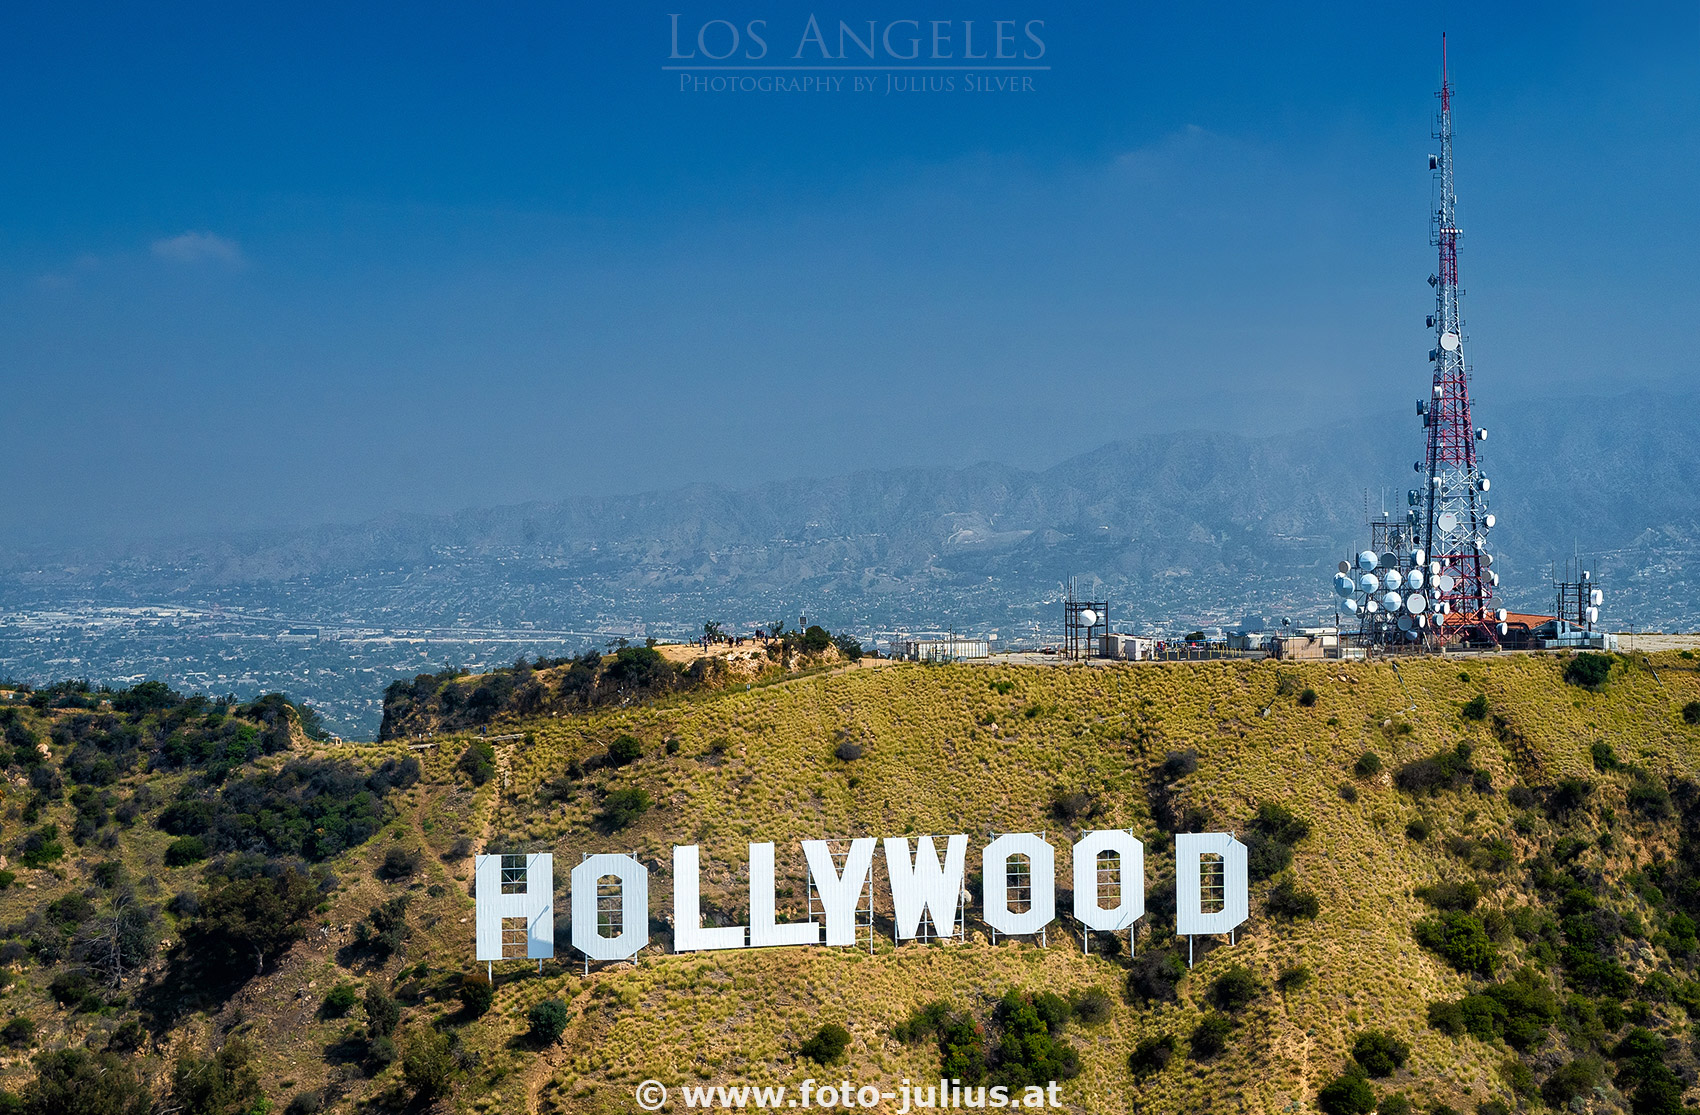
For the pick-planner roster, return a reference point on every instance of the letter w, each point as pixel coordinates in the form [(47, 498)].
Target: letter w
[(923, 882)]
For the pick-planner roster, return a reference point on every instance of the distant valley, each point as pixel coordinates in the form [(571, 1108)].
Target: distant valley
[(1181, 529)]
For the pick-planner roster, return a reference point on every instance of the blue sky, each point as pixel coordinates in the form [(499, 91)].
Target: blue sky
[(310, 263)]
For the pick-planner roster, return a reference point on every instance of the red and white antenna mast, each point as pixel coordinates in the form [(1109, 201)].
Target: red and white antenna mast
[(1451, 511)]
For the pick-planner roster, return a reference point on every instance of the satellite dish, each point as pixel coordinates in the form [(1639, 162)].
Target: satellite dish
[(1448, 582), (1371, 606), (1391, 579), (1448, 522), (1345, 567), (1481, 434), (1392, 601), (1596, 598), (1404, 623), (1421, 621), (1500, 615), (1366, 560), (1088, 617), (1488, 558), (1412, 635), (1493, 578), (1504, 629), (1414, 578), (1439, 391), (1418, 557), (1484, 483), (1389, 560), (1449, 342), (1489, 521), (1593, 615), (1417, 604), (1343, 584), (1434, 568), (1350, 605)]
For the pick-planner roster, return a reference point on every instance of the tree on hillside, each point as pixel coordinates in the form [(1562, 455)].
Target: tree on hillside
[(77, 1082), (260, 915)]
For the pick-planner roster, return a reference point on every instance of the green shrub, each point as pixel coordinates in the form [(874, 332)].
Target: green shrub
[(1460, 939), (1348, 792), (1368, 765), (1605, 759), (478, 762), (1691, 713), (399, 863), (18, 1033), (382, 1012), (227, 1081), (1290, 901), (1151, 1055), (1396, 1104), (1417, 829), (476, 993), (1476, 708), (78, 1082), (428, 1062), (1307, 697), (622, 808), (827, 1045), (548, 1021), (1235, 988), (1588, 670), (1347, 1094), (340, 1001), (1291, 979), (1092, 1007), (1210, 1037), (1380, 1053), (624, 750), (184, 851)]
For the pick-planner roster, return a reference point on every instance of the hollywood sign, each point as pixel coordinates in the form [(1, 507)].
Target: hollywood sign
[(515, 893)]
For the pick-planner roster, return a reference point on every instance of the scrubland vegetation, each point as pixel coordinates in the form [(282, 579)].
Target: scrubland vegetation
[(206, 910)]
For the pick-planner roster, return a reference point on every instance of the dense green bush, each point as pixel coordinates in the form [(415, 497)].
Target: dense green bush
[(184, 851), (78, 1082), (1368, 765), (478, 762), (1030, 1051), (1210, 1036), (1691, 713), (624, 750), (339, 1001), (1235, 989), (827, 1044), (548, 1021), (1460, 939), (476, 993), (622, 808), (1588, 670), (1151, 1055), (427, 1062), (1476, 708), (1380, 1053), (1347, 1094), (226, 1082), (1289, 900)]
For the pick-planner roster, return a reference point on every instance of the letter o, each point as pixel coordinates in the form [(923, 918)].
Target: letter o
[(702, 34), (994, 866), (634, 906), (1131, 852)]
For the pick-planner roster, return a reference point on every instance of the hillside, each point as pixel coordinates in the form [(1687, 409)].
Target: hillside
[(1519, 914)]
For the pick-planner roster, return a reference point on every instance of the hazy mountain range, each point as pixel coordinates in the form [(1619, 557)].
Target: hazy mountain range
[(1177, 529)]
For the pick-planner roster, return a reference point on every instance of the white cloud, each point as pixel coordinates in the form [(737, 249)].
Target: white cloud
[(199, 247)]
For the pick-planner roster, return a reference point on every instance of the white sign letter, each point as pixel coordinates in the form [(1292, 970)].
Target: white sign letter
[(688, 931), (1130, 853), (763, 930), (924, 883), (634, 907), (839, 896), (513, 888), (1226, 903), (1042, 883)]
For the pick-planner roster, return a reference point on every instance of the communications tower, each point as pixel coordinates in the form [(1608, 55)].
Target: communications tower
[(1450, 512)]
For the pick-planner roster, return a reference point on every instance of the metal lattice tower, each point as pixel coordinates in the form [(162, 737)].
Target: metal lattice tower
[(1451, 513)]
